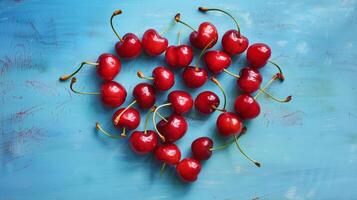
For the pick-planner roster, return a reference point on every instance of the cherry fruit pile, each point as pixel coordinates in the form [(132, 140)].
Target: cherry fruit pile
[(161, 140)]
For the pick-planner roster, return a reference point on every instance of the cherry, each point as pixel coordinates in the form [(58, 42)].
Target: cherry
[(233, 42), (217, 61), (168, 154), (143, 142), (206, 102), (179, 56), (181, 101), (108, 66), (207, 33), (258, 55), (201, 148), (163, 78), (144, 94), (229, 124), (127, 119), (153, 43), (171, 129), (128, 47), (112, 93), (249, 80), (188, 169), (246, 106)]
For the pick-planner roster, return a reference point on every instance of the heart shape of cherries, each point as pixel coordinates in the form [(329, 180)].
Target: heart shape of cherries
[(161, 140)]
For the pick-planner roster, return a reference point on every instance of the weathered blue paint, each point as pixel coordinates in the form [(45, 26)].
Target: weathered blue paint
[(49, 148)]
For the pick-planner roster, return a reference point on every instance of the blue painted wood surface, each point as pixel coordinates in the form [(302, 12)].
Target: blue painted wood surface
[(49, 148)]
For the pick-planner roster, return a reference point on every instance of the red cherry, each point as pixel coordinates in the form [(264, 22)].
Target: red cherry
[(194, 77), (246, 106), (234, 43), (249, 80), (108, 66), (153, 43), (217, 61), (113, 94), (206, 102), (229, 124), (179, 56), (181, 101), (129, 46), (129, 119), (174, 129), (207, 34), (144, 94), (143, 143), (201, 148), (258, 55), (188, 169), (162, 77), (168, 153)]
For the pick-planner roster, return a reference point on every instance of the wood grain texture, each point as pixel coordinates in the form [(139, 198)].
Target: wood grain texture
[(49, 148)]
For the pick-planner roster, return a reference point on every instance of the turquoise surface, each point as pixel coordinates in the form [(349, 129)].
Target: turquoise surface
[(49, 148)]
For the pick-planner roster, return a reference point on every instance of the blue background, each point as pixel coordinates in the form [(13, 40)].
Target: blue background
[(49, 148)]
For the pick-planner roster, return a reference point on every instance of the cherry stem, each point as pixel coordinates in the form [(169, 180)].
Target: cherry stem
[(201, 54), (231, 73), (66, 77), (215, 81), (154, 120), (123, 132), (244, 154), (162, 169), (203, 9), (281, 76), (147, 118), (179, 38), (98, 127), (267, 85), (140, 74), (263, 90), (230, 142), (172, 24), (117, 119), (177, 19), (74, 80), (115, 13)]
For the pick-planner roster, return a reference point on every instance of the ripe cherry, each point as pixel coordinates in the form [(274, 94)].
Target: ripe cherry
[(128, 47), (112, 93), (144, 95), (206, 102), (179, 56), (126, 119), (217, 61), (108, 66), (162, 77), (206, 35), (258, 55), (233, 42), (188, 169), (229, 124), (171, 129), (168, 153), (201, 148), (153, 43), (246, 106), (249, 80)]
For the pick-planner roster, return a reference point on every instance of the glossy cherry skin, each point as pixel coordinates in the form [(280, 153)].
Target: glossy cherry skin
[(168, 153), (234, 43), (174, 129), (164, 78), (249, 80), (144, 94), (201, 148), (153, 43), (246, 106), (258, 55), (129, 47), (129, 120), (204, 35), (194, 77), (206, 101), (113, 94), (216, 61), (188, 169), (142, 143), (229, 124), (179, 56), (108, 66), (181, 101)]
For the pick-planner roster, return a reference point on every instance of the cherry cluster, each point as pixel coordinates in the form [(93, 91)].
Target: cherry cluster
[(161, 140)]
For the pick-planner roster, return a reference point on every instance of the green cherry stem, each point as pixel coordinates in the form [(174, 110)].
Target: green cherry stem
[(231, 73), (230, 142), (99, 128), (73, 81), (244, 154), (263, 90), (117, 119), (66, 77), (215, 81), (179, 38), (281, 76), (178, 20), (162, 169), (203, 9), (201, 54), (140, 74), (172, 24), (115, 13), (154, 120)]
